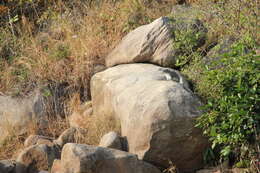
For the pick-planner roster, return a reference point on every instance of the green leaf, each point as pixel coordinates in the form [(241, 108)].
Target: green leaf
[(226, 151)]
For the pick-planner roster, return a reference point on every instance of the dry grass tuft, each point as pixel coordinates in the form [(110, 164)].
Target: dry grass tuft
[(75, 37), (72, 44), (66, 52), (14, 143), (11, 146), (95, 126)]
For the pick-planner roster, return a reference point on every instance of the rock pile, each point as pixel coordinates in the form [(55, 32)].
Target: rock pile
[(154, 104)]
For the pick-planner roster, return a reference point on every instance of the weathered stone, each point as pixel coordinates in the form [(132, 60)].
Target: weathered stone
[(7, 166), (157, 111), (17, 114), (70, 135), (57, 167), (148, 43), (37, 139), (79, 158), (154, 43), (37, 157), (112, 140)]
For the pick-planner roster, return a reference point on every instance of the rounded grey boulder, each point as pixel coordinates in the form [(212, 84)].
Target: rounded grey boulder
[(157, 111)]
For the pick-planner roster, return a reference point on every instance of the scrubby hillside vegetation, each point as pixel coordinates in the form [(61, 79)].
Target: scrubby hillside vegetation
[(54, 47)]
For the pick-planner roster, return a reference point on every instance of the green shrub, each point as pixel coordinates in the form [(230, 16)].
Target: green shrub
[(232, 112), (188, 36), (184, 43)]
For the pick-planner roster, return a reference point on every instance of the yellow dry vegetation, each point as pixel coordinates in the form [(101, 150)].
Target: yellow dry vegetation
[(63, 43)]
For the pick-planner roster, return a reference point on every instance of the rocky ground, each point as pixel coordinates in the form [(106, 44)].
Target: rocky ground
[(153, 104)]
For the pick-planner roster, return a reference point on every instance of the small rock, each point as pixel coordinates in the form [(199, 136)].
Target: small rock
[(112, 140), (7, 166), (37, 139), (37, 157), (79, 158), (70, 135)]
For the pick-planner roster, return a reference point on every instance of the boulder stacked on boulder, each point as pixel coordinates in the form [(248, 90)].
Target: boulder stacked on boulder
[(154, 104)]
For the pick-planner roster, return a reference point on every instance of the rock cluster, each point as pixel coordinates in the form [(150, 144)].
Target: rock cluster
[(39, 153), (79, 158), (154, 104)]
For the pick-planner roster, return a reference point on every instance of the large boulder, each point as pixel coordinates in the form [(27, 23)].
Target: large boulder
[(157, 111), (155, 42), (79, 158), (17, 114), (36, 158)]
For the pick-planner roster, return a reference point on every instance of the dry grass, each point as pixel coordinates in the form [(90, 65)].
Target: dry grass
[(95, 126), (98, 126), (67, 52), (74, 43), (171, 169), (11, 146), (14, 143), (236, 18)]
